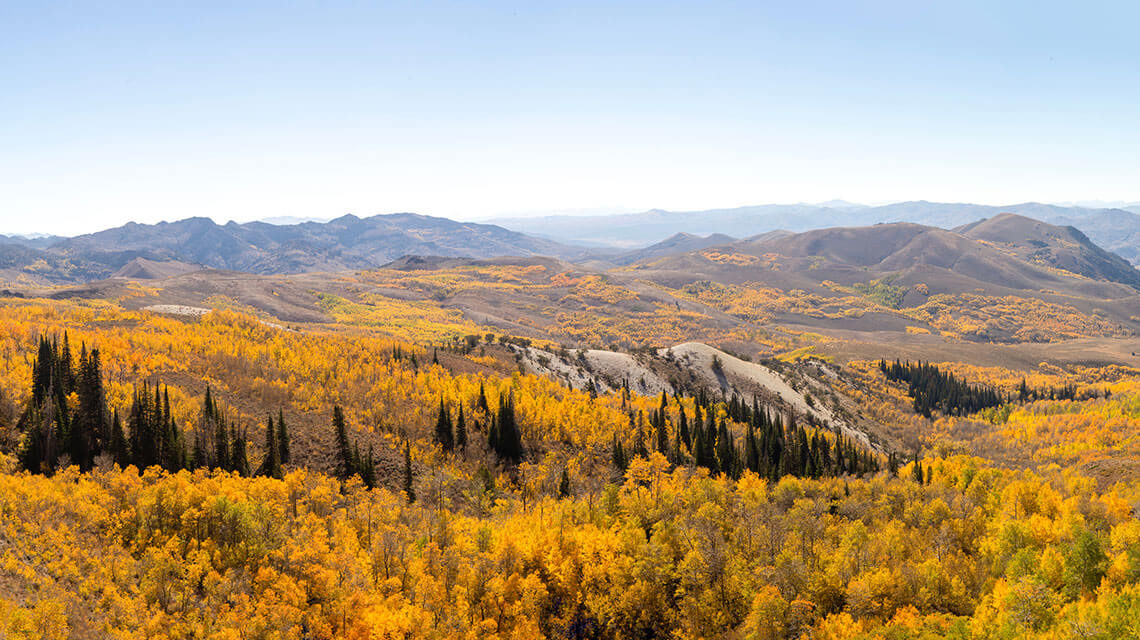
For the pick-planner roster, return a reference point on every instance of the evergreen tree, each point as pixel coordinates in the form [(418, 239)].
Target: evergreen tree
[(368, 474), (461, 430), (618, 456), (34, 453), (935, 390), (239, 461), (481, 403), (89, 427), (726, 450), (444, 435), (409, 489), (493, 434), (271, 465), (282, 439), (751, 450), (345, 465), (509, 439), (119, 447), (683, 427), (639, 449), (662, 439), (564, 484), (175, 459), (222, 457)]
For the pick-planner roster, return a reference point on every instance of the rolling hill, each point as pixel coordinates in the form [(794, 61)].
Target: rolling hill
[(900, 287), (1006, 251)]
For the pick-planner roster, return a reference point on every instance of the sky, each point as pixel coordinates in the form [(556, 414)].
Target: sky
[(112, 112)]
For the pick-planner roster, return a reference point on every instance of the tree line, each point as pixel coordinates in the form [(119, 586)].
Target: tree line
[(770, 446), (56, 434), (933, 389), (500, 428)]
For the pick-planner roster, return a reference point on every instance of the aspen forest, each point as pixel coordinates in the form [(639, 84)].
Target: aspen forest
[(616, 320), (221, 477)]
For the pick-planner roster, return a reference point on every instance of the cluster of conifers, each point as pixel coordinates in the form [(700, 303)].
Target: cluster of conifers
[(501, 428), (55, 433), (933, 389), (770, 446)]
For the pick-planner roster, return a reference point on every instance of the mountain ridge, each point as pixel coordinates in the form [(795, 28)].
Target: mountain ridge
[(345, 243), (1115, 229)]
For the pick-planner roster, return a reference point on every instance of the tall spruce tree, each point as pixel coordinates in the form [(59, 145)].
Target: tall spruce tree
[(239, 460), (282, 439), (271, 465), (509, 439), (409, 488), (444, 435), (461, 431), (120, 451), (345, 466)]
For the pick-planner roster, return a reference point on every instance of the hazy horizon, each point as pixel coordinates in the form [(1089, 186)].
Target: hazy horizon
[(506, 216), (142, 112)]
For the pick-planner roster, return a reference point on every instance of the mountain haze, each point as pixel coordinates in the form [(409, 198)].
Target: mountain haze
[(346, 243), (1117, 230)]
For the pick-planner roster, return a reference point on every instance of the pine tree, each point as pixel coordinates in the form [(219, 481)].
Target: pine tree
[(751, 450), (409, 488), (89, 427), (725, 450), (33, 453), (282, 439), (368, 473), (639, 449), (119, 448), (481, 403), (175, 458), (684, 434), (239, 461), (493, 434), (271, 465), (662, 439), (344, 451), (444, 435), (618, 455), (509, 439), (461, 430), (564, 484)]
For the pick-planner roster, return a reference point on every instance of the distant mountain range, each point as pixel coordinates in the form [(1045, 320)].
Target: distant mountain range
[(1117, 230), (352, 243), (1006, 251), (346, 243)]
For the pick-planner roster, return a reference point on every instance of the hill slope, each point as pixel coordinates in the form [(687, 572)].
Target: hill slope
[(677, 243), (1007, 251), (1061, 247)]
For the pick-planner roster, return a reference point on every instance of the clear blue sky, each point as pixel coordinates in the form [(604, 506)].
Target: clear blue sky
[(239, 110)]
